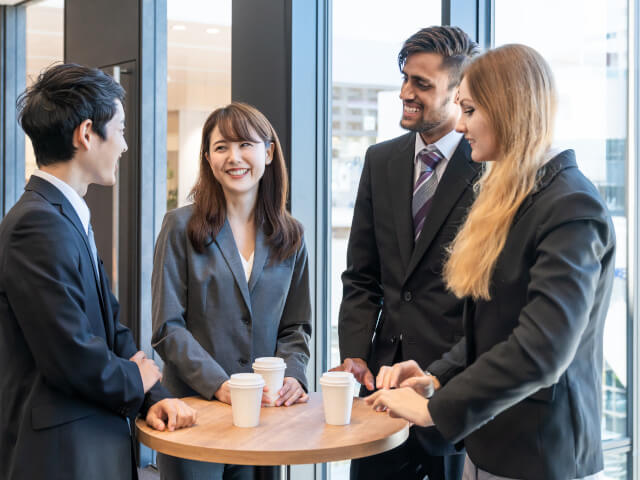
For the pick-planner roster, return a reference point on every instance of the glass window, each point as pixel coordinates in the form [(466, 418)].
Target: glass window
[(198, 82), (616, 466), (365, 109), (589, 59), (44, 47)]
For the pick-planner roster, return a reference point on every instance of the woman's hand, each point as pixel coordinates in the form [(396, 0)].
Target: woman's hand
[(402, 403), (224, 394), (291, 392)]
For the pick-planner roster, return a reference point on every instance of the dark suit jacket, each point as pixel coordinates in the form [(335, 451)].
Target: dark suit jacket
[(392, 288), (66, 385), (210, 322), (528, 403)]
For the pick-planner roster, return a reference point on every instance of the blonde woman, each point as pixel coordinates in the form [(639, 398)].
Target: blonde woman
[(534, 260)]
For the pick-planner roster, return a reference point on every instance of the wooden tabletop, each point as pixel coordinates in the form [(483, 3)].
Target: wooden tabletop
[(285, 436)]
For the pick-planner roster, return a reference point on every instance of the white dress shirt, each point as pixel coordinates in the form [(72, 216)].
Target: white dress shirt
[(446, 145)]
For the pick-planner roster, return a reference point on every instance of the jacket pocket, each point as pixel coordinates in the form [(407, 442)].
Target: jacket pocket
[(47, 416), (544, 395)]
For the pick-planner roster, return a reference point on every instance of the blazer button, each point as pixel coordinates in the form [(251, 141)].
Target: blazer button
[(393, 339), (245, 320), (407, 296), (243, 361)]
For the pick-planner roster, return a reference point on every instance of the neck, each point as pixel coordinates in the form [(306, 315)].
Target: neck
[(445, 128), (65, 172), (241, 209)]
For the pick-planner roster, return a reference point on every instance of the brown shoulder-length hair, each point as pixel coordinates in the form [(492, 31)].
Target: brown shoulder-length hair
[(237, 122)]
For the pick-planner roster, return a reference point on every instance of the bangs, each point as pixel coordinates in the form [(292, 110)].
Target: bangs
[(235, 127)]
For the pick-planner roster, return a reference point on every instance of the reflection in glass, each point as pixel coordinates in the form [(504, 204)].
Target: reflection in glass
[(198, 82), (589, 59), (616, 466), (365, 110), (44, 47)]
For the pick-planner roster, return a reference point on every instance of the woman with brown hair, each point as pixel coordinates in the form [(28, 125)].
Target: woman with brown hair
[(230, 279), (534, 260)]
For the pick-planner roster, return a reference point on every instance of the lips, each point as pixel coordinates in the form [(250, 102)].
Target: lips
[(237, 172), (411, 109)]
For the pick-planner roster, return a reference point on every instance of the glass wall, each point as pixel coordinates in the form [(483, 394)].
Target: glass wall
[(589, 58), (366, 109), (44, 47), (199, 81)]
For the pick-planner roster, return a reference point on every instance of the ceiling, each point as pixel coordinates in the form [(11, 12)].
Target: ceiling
[(198, 49)]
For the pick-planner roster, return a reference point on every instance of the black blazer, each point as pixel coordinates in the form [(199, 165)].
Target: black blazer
[(392, 288), (66, 384), (528, 403)]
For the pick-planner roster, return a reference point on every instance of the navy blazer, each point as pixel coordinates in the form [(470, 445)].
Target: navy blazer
[(393, 288), (66, 384), (209, 322), (524, 387)]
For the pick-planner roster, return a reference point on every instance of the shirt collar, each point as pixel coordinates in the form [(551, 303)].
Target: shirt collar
[(76, 201), (446, 145)]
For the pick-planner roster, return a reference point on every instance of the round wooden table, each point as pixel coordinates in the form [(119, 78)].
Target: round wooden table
[(286, 435)]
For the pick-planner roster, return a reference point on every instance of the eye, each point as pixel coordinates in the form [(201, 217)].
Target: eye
[(246, 144), (424, 86), (220, 148), (468, 111)]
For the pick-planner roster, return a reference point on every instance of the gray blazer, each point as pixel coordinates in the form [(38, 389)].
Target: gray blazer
[(209, 323)]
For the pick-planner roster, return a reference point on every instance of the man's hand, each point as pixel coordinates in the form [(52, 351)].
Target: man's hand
[(392, 377), (291, 392), (402, 403), (224, 394), (149, 371), (170, 414), (359, 368)]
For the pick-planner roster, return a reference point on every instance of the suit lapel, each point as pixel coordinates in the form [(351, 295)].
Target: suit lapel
[(56, 197), (227, 245), (458, 176), (259, 258), (106, 311), (400, 170)]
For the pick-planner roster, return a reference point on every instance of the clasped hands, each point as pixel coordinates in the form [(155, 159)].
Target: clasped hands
[(290, 393), (403, 389)]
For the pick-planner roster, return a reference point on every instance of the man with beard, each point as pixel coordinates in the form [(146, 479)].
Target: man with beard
[(414, 193)]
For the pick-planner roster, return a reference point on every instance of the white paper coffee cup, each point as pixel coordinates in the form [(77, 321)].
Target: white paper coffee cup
[(272, 371), (246, 398), (337, 397)]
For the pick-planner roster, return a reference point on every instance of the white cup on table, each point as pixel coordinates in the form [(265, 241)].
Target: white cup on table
[(337, 397), (246, 398), (272, 371)]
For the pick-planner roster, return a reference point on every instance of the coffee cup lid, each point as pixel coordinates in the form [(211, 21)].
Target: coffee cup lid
[(336, 378), (268, 363), (246, 380)]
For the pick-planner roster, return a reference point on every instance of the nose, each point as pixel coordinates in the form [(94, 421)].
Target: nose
[(406, 92), (126, 147), (461, 126), (233, 152)]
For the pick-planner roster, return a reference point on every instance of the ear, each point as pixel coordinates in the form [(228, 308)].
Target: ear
[(82, 135), (270, 150)]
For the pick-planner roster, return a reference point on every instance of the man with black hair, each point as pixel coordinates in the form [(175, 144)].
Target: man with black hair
[(71, 379), (413, 195)]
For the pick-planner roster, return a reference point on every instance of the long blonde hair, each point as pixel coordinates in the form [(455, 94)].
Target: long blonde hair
[(514, 87)]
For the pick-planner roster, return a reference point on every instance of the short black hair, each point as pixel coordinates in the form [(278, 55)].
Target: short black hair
[(455, 46), (63, 97)]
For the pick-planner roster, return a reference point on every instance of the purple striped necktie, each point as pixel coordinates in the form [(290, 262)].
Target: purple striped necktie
[(424, 188)]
